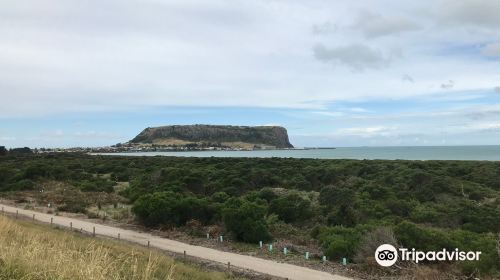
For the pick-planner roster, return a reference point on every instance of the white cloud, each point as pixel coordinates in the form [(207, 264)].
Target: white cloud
[(69, 56), (456, 126), (328, 113), (367, 131), (324, 28), (271, 124), (485, 126), (497, 89), (94, 135), (492, 50), (374, 25), (358, 110), (408, 78), (58, 133), (448, 85), (482, 13), (356, 56)]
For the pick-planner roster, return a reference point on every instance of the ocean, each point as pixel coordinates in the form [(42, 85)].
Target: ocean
[(489, 153)]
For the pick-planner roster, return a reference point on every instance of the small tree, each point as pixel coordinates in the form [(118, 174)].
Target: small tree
[(168, 208), (291, 208), (333, 196), (154, 209), (345, 216), (245, 220), (20, 151), (3, 151), (339, 242)]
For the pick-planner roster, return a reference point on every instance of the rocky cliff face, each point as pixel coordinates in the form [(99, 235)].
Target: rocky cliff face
[(275, 136)]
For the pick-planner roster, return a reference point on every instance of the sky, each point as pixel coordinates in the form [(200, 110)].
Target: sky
[(334, 73)]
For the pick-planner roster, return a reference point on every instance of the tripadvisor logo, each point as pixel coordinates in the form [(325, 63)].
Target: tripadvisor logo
[(387, 255)]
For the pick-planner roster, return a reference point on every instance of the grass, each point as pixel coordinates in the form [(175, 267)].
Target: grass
[(32, 251), (122, 212)]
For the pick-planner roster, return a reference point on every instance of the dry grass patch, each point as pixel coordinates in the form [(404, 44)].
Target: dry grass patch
[(32, 252)]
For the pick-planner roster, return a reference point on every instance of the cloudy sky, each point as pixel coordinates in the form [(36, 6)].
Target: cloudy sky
[(335, 73)]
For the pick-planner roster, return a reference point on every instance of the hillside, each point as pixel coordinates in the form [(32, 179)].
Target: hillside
[(31, 251), (241, 137)]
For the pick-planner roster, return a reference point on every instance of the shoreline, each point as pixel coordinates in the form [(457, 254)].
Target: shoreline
[(417, 153)]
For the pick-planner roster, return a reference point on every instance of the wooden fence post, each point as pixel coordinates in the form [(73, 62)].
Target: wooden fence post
[(33, 217), (93, 233)]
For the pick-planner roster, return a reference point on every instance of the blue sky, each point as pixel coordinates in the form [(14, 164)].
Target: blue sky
[(369, 73)]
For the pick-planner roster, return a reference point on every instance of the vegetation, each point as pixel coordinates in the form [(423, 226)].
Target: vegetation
[(172, 208), (343, 205), (245, 220), (35, 252)]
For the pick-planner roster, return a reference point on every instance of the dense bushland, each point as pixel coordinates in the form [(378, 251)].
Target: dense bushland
[(426, 204)]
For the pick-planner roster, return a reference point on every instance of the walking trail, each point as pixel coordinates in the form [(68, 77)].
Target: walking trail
[(241, 261)]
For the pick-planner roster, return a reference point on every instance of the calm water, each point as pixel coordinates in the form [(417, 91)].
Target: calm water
[(411, 153)]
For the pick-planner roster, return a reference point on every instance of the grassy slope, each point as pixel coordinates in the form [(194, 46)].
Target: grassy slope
[(30, 251)]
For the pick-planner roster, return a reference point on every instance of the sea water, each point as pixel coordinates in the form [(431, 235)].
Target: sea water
[(490, 153)]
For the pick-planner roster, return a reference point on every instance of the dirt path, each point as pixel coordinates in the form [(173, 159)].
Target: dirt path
[(246, 262)]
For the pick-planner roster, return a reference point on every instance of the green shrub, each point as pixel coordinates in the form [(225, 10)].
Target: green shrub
[(345, 216), (422, 238), (74, 207), (291, 208), (339, 242), (489, 261), (450, 196), (168, 208), (334, 196), (23, 185), (154, 209), (97, 185), (245, 220)]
